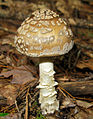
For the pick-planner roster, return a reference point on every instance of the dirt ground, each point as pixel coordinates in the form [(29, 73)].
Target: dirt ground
[(19, 74)]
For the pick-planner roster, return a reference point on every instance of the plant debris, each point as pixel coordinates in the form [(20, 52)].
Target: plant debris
[(74, 71)]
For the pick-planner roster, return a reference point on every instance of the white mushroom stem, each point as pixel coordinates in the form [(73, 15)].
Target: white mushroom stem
[(47, 84)]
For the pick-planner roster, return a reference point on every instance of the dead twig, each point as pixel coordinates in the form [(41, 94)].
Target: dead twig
[(78, 55), (27, 104), (62, 92), (79, 98), (16, 105), (86, 78), (66, 92)]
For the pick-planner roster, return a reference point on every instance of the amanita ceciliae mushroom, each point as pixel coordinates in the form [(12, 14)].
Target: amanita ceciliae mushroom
[(45, 34)]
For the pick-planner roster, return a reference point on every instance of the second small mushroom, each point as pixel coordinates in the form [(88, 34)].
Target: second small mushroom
[(42, 35)]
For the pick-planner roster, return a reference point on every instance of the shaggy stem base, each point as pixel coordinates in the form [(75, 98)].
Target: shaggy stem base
[(47, 84)]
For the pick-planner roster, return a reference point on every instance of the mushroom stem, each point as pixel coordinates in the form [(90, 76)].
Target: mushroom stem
[(47, 84)]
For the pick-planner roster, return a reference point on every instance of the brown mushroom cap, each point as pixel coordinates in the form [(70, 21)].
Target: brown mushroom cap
[(44, 34)]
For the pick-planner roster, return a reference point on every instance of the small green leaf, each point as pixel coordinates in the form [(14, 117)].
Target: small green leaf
[(3, 114), (40, 116)]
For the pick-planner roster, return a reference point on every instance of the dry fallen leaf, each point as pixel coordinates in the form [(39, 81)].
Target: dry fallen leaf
[(21, 74), (84, 104), (10, 92), (83, 115), (67, 102)]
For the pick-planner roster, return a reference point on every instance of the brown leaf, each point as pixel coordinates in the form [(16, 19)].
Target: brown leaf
[(10, 92), (21, 74), (84, 104), (67, 102), (83, 115)]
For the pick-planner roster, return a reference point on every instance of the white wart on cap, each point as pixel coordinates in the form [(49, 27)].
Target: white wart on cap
[(44, 34)]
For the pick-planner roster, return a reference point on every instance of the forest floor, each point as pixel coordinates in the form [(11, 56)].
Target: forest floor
[(19, 74)]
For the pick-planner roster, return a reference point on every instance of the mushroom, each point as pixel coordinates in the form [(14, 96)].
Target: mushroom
[(44, 35)]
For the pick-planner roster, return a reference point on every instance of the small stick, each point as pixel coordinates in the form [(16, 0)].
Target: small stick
[(61, 91), (27, 104), (79, 98), (16, 105), (78, 55), (67, 92)]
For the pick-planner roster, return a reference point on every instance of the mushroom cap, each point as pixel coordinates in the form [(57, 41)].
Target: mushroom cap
[(44, 34)]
